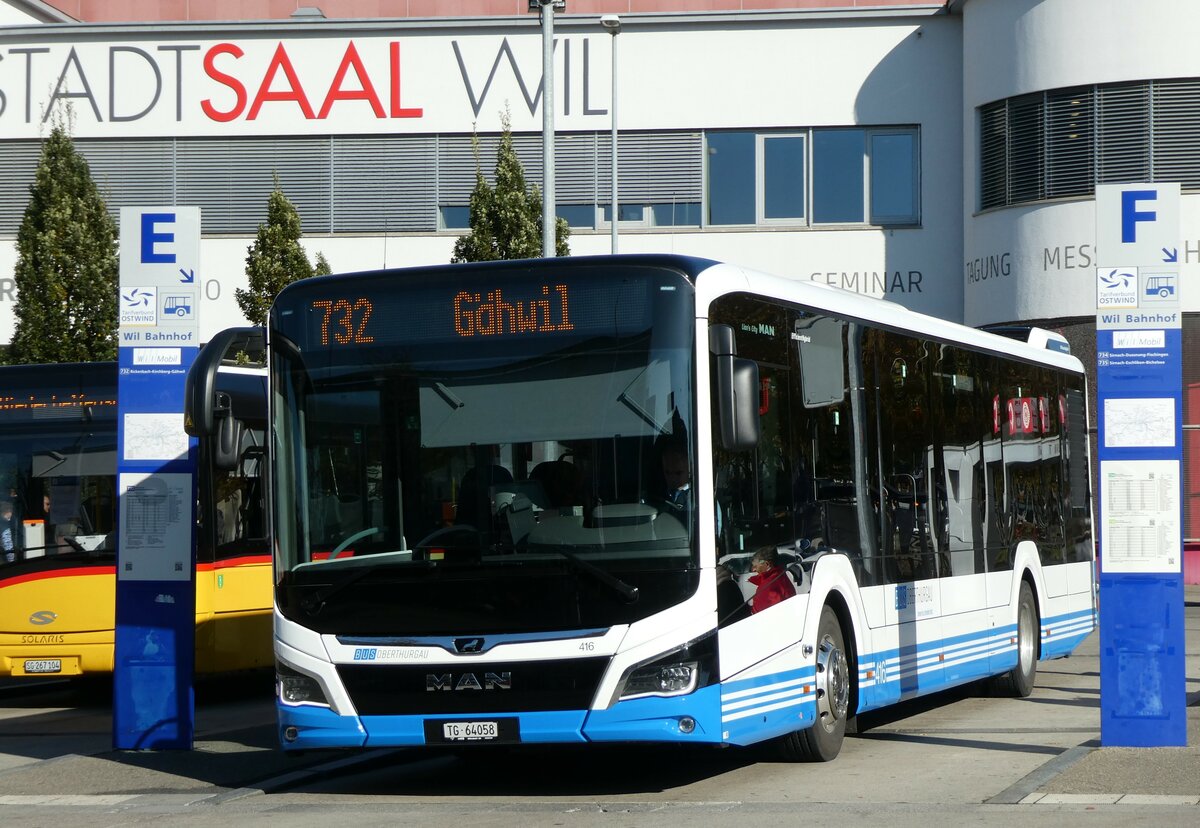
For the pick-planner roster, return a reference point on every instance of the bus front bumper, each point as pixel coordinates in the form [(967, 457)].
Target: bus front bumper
[(691, 719)]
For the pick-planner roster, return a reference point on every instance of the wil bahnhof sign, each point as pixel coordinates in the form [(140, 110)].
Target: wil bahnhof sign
[(1139, 399)]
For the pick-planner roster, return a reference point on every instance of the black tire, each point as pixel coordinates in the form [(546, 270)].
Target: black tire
[(823, 741), (1018, 682)]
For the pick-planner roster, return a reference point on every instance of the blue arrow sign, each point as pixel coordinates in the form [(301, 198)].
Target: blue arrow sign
[(1171, 255), (189, 276)]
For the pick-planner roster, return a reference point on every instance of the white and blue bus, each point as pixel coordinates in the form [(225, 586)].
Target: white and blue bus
[(479, 536)]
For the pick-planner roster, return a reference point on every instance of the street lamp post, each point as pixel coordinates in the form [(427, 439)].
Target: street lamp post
[(612, 23), (546, 8)]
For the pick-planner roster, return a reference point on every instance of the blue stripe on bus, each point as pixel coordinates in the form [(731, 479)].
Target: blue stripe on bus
[(766, 706), (911, 670), (656, 719)]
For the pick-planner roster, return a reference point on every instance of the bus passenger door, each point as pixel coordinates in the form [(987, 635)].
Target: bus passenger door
[(899, 445), (755, 497)]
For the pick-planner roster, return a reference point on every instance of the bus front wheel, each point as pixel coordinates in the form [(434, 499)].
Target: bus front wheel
[(823, 741)]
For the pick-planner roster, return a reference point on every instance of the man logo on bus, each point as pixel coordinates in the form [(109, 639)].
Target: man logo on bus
[(468, 681)]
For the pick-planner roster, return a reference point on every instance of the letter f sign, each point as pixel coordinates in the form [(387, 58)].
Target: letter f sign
[(1130, 215)]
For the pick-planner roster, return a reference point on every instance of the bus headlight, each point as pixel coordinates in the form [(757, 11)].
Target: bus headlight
[(297, 688), (662, 680), (676, 673)]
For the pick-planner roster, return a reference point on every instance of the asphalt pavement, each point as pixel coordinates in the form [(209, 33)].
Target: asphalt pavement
[(63, 756)]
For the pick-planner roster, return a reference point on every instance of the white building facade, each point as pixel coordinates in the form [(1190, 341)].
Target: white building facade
[(942, 155), (787, 147)]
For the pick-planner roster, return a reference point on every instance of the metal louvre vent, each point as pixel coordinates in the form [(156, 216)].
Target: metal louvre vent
[(384, 184), (655, 168), (456, 164), (20, 167), (1026, 170), (575, 161), (1123, 139), (138, 172), (1176, 130), (1069, 170), (993, 155), (230, 179), (1064, 142)]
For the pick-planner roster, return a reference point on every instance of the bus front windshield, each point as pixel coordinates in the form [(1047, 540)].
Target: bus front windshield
[(509, 450), (58, 448)]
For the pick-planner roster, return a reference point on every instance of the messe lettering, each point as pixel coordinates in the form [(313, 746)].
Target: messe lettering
[(492, 315), (1068, 257)]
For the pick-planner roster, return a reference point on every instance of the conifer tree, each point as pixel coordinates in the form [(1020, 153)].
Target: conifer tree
[(321, 266), (275, 259), (506, 219), (66, 271)]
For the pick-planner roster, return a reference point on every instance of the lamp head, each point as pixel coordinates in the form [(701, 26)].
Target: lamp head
[(611, 22)]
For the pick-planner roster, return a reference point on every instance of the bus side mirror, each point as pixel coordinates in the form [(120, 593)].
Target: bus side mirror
[(200, 404), (736, 391), (227, 446)]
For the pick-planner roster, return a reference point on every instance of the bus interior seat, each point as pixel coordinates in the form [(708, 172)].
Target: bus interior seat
[(505, 495), (840, 525), (562, 481), (475, 489), (798, 577), (518, 512)]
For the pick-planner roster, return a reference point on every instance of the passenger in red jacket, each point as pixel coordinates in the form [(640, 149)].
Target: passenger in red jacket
[(771, 579)]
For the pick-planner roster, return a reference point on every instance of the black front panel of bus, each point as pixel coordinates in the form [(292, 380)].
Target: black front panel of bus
[(478, 601), (470, 687)]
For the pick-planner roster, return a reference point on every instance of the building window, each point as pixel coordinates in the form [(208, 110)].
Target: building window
[(731, 178), (838, 171), (676, 214), (781, 169), (633, 215), (1061, 143), (853, 175), (894, 175), (581, 216), (454, 218)]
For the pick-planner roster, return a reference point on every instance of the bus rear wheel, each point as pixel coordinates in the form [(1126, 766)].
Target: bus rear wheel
[(1018, 682), (823, 741)]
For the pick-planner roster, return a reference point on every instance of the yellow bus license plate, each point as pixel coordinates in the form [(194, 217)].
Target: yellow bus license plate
[(44, 665)]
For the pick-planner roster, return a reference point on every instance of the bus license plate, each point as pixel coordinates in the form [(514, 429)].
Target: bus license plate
[(45, 665), (470, 731), (504, 730)]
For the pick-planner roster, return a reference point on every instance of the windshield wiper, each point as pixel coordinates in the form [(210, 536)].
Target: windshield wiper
[(627, 591), (314, 602)]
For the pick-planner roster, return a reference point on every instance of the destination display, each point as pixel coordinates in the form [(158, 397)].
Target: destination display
[(334, 315)]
